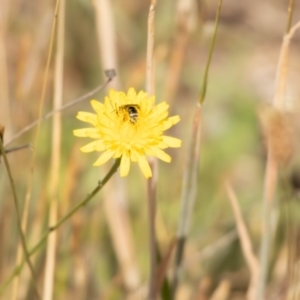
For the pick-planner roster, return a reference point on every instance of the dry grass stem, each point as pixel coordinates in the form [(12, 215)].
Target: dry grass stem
[(294, 288), (190, 184), (19, 221), (211, 250), (152, 182), (188, 194), (222, 291), (246, 243), (272, 167), (268, 201), (55, 156), (45, 80), (62, 108), (5, 114), (30, 180), (116, 210), (163, 267), (290, 15), (21, 284), (15, 288), (62, 220), (186, 23), (122, 245), (106, 37), (150, 47), (190, 177), (35, 57), (282, 67)]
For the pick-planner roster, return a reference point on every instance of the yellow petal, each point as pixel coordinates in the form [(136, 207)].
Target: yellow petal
[(159, 113), (87, 117), (118, 152), (134, 155), (141, 96), (97, 106), (88, 148), (104, 157), (112, 94), (125, 165), (93, 146), (171, 141), (150, 151), (144, 165), (118, 138), (94, 135), (161, 107), (131, 95), (170, 122), (146, 103), (108, 105), (87, 132), (161, 116), (122, 99), (162, 155)]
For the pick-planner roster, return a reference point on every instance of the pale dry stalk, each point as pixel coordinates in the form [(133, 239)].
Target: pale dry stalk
[(34, 59), (190, 179), (282, 67), (55, 156), (5, 115), (245, 240), (211, 250), (186, 23), (222, 291), (80, 273), (106, 37), (272, 166), (152, 182), (150, 89), (32, 162)]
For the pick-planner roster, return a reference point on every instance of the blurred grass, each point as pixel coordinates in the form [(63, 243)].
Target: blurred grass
[(240, 81)]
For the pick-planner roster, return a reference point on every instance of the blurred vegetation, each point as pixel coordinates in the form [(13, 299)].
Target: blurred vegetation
[(241, 81)]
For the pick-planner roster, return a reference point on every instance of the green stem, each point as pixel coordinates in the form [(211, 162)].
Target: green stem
[(43, 239), (188, 195), (19, 223), (212, 46), (100, 185)]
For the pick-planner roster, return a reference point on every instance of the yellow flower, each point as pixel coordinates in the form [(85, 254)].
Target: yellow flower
[(128, 126)]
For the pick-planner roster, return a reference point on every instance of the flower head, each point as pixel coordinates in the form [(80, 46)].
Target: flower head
[(129, 126)]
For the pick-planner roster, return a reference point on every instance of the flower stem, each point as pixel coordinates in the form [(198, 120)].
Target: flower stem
[(43, 239)]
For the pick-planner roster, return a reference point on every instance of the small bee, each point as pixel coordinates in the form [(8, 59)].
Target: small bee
[(133, 111)]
